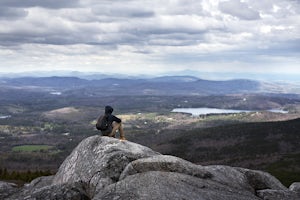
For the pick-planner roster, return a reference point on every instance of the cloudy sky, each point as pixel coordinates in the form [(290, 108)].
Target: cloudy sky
[(151, 36)]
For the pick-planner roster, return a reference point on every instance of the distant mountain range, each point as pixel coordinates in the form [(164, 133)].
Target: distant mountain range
[(269, 77), (165, 85)]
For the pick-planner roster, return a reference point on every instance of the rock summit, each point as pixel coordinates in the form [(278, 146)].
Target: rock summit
[(107, 168)]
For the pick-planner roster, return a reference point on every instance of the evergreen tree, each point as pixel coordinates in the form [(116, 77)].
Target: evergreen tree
[(5, 174)]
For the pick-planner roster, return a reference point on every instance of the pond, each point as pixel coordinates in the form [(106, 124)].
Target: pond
[(206, 111)]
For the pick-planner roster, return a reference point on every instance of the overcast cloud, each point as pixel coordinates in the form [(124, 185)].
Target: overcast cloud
[(150, 36)]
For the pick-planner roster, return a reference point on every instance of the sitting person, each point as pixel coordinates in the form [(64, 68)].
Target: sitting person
[(108, 124)]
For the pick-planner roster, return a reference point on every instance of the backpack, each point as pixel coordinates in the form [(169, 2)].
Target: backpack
[(102, 123)]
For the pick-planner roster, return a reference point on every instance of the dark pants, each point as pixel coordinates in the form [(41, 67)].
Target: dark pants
[(107, 131)]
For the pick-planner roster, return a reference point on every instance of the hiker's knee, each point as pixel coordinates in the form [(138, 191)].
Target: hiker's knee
[(116, 124)]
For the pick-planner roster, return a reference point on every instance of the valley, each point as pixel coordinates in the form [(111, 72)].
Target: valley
[(42, 122)]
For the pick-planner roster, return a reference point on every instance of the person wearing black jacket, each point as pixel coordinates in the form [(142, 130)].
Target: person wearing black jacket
[(114, 124)]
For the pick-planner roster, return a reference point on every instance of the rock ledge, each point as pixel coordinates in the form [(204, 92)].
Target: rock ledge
[(107, 168)]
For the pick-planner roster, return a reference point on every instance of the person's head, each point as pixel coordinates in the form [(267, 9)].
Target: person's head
[(108, 109)]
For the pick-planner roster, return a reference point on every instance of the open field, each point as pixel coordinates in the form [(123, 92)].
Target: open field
[(31, 148)]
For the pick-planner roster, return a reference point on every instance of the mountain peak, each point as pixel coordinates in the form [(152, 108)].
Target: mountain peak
[(107, 168)]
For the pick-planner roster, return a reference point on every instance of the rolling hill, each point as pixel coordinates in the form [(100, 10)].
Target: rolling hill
[(273, 146)]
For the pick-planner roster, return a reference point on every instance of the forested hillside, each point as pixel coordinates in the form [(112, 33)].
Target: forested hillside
[(272, 146)]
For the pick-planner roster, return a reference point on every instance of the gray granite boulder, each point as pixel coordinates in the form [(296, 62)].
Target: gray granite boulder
[(295, 187), (260, 180), (70, 191), (164, 163), (270, 194), (229, 176), (7, 189), (154, 185), (98, 161)]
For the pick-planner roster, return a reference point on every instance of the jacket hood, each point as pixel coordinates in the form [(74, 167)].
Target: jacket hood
[(108, 109)]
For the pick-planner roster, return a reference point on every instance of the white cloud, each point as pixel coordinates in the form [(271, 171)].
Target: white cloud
[(134, 35), (239, 9)]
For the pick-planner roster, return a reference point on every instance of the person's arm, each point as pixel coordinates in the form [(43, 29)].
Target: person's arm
[(116, 119)]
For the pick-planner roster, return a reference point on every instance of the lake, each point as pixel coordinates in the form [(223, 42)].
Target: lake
[(5, 116), (205, 111)]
